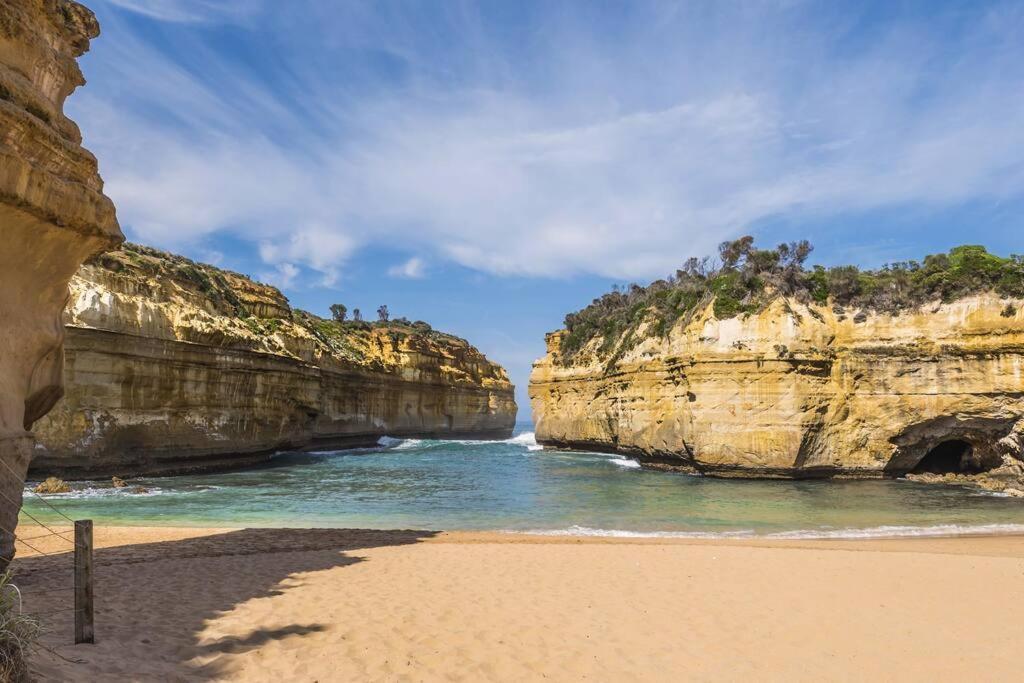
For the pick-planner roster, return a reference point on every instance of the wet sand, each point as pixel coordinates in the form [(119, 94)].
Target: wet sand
[(336, 604)]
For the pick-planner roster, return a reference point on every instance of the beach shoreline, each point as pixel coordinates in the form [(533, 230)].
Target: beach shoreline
[(181, 603)]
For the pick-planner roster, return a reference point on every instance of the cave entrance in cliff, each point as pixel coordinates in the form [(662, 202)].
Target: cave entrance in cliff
[(952, 456)]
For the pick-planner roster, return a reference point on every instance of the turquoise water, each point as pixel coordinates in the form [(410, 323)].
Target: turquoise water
[(513, 485)]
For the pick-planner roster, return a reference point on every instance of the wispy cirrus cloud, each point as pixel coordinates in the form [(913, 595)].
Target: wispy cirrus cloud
[(189, 11), (555, 141)]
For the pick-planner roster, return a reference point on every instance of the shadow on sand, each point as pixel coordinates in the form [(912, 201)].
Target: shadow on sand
[(154, 600)]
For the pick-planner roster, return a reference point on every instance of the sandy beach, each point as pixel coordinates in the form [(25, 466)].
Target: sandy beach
[(335, 605)]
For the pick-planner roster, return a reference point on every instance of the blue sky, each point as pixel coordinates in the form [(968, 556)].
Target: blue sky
[(489, 167)]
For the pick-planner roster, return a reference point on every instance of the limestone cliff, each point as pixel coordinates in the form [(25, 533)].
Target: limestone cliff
[(176, 366), (802, 390), (53, 216)]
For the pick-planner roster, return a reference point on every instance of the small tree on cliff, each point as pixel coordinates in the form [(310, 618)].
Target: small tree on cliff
[(383, 314), (357, 315), (734, 252), (338, 312)]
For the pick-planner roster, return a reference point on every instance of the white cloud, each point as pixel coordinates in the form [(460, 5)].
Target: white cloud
[(621, 157), (283, 274), (188, 11), (320, 248), (412, 269)]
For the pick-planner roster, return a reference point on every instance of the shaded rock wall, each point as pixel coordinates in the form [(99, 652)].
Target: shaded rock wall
[(800, 391), (175, 366), (53, 215)]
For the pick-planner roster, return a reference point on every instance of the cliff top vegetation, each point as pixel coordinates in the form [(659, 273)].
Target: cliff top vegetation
[(743, 279), (251, 305)]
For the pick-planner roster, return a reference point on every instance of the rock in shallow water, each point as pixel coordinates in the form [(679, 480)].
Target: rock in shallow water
[(53, 485)]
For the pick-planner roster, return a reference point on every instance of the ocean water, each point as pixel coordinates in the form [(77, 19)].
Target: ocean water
[(514, 485)]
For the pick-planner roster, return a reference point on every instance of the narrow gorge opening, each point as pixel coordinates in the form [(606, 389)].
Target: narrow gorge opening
[(952, 456)]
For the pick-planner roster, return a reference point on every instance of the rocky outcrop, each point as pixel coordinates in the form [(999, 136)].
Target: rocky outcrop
[(53, 215), (803, 391), (175, 366)]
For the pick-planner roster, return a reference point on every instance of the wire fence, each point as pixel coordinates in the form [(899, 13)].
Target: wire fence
[(33, 542)]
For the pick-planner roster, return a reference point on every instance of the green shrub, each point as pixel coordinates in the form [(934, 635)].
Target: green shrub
[(817, 282), (732, 294), (748, 279)]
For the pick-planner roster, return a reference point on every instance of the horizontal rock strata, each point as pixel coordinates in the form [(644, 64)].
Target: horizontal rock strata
[(174, 366), (802, 391)]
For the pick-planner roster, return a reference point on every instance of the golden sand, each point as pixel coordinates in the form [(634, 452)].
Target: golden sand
[(337, 605)]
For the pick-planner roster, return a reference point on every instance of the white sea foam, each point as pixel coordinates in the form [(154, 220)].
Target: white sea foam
[(100, 492), (991, 494), (625, 462), (939, 530), (92, 491), (527, 439), (905, 531), (576, 529), (396, 444)]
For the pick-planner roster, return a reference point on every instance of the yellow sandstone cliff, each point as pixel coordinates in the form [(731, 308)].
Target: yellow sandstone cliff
[(803, 391), (53, 215), (175, 366)]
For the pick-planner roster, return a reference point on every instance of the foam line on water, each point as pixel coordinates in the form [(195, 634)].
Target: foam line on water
[(527, 440), (937, 531), (92, 491), (577, 529)]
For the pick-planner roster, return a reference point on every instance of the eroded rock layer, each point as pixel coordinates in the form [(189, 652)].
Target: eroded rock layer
[(53, 215), (803, 391), (175, 366)]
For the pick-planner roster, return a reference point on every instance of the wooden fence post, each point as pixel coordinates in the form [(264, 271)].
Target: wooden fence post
[(83, 582)]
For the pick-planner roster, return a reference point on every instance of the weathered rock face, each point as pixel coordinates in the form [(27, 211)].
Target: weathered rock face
[(803, 391), (175, 366), (53, 215)]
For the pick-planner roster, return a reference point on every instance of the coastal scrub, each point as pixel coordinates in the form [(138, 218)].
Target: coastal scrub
[(744, 280)]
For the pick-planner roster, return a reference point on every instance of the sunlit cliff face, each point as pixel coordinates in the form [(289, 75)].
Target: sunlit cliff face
[(53, 215), (803, 391), (179, 366)]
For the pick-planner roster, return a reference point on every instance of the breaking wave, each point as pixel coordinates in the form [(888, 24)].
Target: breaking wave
[(398, 444), (526, 440)]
